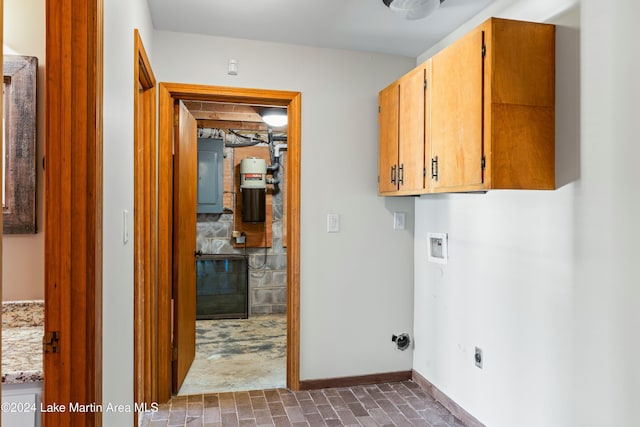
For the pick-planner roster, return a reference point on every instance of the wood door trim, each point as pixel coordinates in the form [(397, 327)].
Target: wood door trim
[(168, 93), (73, 207), (145, 226), (1, 183)]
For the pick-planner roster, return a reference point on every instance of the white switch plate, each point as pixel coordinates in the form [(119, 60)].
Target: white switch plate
[(398, 220), (233, 67), (125, 226), (437, 247), (333, 223)]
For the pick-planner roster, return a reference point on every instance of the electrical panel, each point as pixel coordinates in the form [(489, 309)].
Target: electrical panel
[(210, 175)]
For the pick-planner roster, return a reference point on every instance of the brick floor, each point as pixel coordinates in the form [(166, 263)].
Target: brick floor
[(388, 404)]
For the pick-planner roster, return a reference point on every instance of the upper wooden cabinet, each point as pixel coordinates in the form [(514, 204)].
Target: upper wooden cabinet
[(404, 122), (490, 113)]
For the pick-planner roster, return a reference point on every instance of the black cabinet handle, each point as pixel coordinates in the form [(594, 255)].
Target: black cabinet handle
[(434, 168)]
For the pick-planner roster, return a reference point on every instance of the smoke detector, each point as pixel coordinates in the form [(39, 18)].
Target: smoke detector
[(413, 9)]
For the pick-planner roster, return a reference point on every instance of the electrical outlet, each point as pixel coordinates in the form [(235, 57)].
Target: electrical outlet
[(477, 357), (333, 223)]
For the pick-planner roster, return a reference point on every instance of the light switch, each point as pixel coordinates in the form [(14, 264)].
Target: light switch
[(398, 220), (125, 226), (233, 67), (333, 223)]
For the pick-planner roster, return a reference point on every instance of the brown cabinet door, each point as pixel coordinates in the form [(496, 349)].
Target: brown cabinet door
[(411, 153), (456, 114), (388, 125)]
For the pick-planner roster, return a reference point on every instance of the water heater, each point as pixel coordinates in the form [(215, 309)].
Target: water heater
[(253, 186)]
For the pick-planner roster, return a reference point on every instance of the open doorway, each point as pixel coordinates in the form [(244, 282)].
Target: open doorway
[(241, 246), (173, 343)]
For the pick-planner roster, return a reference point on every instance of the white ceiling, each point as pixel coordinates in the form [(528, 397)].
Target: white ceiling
[(366, 25)]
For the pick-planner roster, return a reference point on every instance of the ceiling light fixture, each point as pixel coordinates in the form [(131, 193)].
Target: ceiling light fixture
[(413, 9), (274, 117)]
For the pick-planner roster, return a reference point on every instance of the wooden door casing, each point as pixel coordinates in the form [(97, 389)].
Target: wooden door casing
[(145, 228), (73, 208), (168, 94)]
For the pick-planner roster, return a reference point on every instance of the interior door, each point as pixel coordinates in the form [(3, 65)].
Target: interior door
[(388, 155), (456, 113), (184, 243)]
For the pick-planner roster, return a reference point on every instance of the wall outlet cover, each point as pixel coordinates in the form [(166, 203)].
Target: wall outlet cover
[(437, 247), (333, 223)]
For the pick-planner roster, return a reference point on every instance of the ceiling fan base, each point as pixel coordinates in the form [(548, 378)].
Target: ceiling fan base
[(413, 9)]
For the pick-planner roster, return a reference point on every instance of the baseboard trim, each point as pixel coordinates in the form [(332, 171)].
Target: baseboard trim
[(457, 411), (388, 377)]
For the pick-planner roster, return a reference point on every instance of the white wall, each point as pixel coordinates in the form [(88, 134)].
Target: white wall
[(120, 19), (23, 254), (356, 285), (545, 282)]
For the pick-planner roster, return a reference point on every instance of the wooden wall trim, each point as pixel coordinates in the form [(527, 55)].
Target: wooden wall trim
[(145, 229), (388, 377), (165, 243), (168, 93), (73, 207), (457, 411), (293, 158), (1, 184)]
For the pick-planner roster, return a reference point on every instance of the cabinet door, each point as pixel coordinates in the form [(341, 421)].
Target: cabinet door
[(456, 114), (388, 125), (411, 151)]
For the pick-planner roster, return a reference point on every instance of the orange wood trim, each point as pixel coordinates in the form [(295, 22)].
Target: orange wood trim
[(145, 230), (169, 92), (457, 411), (294, 137), (229, 94), (1, 183), (165, 243), (73, 207), (387, 377)]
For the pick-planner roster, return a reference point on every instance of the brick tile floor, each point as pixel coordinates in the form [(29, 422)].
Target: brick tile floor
[(388, 404)]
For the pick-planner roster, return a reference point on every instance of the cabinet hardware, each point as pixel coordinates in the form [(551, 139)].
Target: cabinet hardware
[(401, 174), (425, 85), (434, 168), (51, 342), (483, 162), (393, 174), (484, 50)]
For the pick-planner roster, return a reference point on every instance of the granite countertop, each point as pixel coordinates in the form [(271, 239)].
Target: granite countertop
[(22, 331)]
